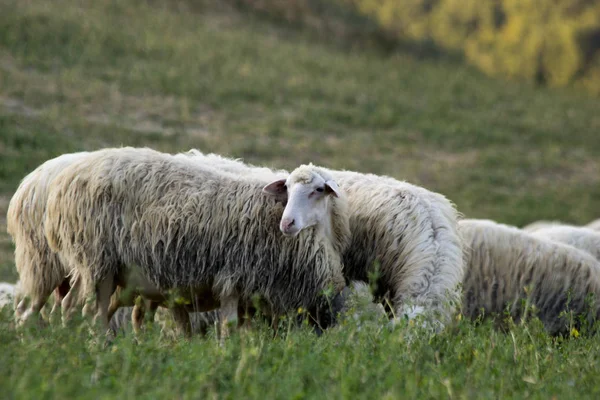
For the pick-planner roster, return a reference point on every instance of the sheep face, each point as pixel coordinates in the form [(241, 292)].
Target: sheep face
[(306, 194)]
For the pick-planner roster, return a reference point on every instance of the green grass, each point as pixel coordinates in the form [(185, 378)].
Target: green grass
[(466, 361), (175, 75)]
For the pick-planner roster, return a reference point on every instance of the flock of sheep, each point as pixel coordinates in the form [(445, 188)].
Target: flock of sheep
[(207, 239)]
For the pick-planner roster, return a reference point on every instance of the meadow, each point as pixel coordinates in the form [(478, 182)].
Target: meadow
[(182, 74)]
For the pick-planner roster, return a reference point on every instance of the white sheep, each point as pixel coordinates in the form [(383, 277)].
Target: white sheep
[(40, 270), (595, 225), (413, 234), (581, 238), (409, 231), (506, 266), (540, 224), (209, 235)]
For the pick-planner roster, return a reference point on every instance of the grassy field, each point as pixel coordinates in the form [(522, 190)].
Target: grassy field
[(182, 74)]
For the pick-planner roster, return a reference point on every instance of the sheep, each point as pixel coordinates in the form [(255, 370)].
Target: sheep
[(413, 234), (7, 293), (581, 238), (540, 224), (209, 235), (40, 270), (506, 266), (410, 231), (595, 225)]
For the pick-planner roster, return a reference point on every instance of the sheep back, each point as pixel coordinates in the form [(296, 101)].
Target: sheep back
[(581, 238), (503, 261), (595, 225)]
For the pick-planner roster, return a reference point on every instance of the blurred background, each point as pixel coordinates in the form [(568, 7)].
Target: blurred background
[(493, 103)]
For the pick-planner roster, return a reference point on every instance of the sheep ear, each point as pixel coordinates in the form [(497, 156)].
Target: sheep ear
[(276, 189), (332, 188)]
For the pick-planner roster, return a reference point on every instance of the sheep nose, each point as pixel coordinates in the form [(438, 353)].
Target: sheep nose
[(287, 222)]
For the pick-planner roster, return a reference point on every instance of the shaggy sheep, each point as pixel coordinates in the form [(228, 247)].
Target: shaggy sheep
[(208, 235), (40, 270), (595, 225), (584, 239), (413, 234), (540, 224), (506, 266), (409, 231)]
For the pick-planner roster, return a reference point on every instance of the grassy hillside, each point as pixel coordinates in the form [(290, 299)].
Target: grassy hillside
[(181, 74)]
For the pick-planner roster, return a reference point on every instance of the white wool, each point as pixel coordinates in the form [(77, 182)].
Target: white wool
[(504, 262)]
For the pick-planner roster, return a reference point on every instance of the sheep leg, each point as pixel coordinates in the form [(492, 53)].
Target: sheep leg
[(275, 324), (37, 302), (68, 302), (245, 315), (57, 303), (151, 307), (60, 293), (138, 314), (20, 307), (141, 310), (87, 310), (182, 320), (34, 309), (115, 302), (104, 291), (228, 315)]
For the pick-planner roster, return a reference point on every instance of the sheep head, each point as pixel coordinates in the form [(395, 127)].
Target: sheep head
[(306, 194)]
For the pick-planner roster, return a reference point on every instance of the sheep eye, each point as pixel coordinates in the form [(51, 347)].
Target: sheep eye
[(320, 189)]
